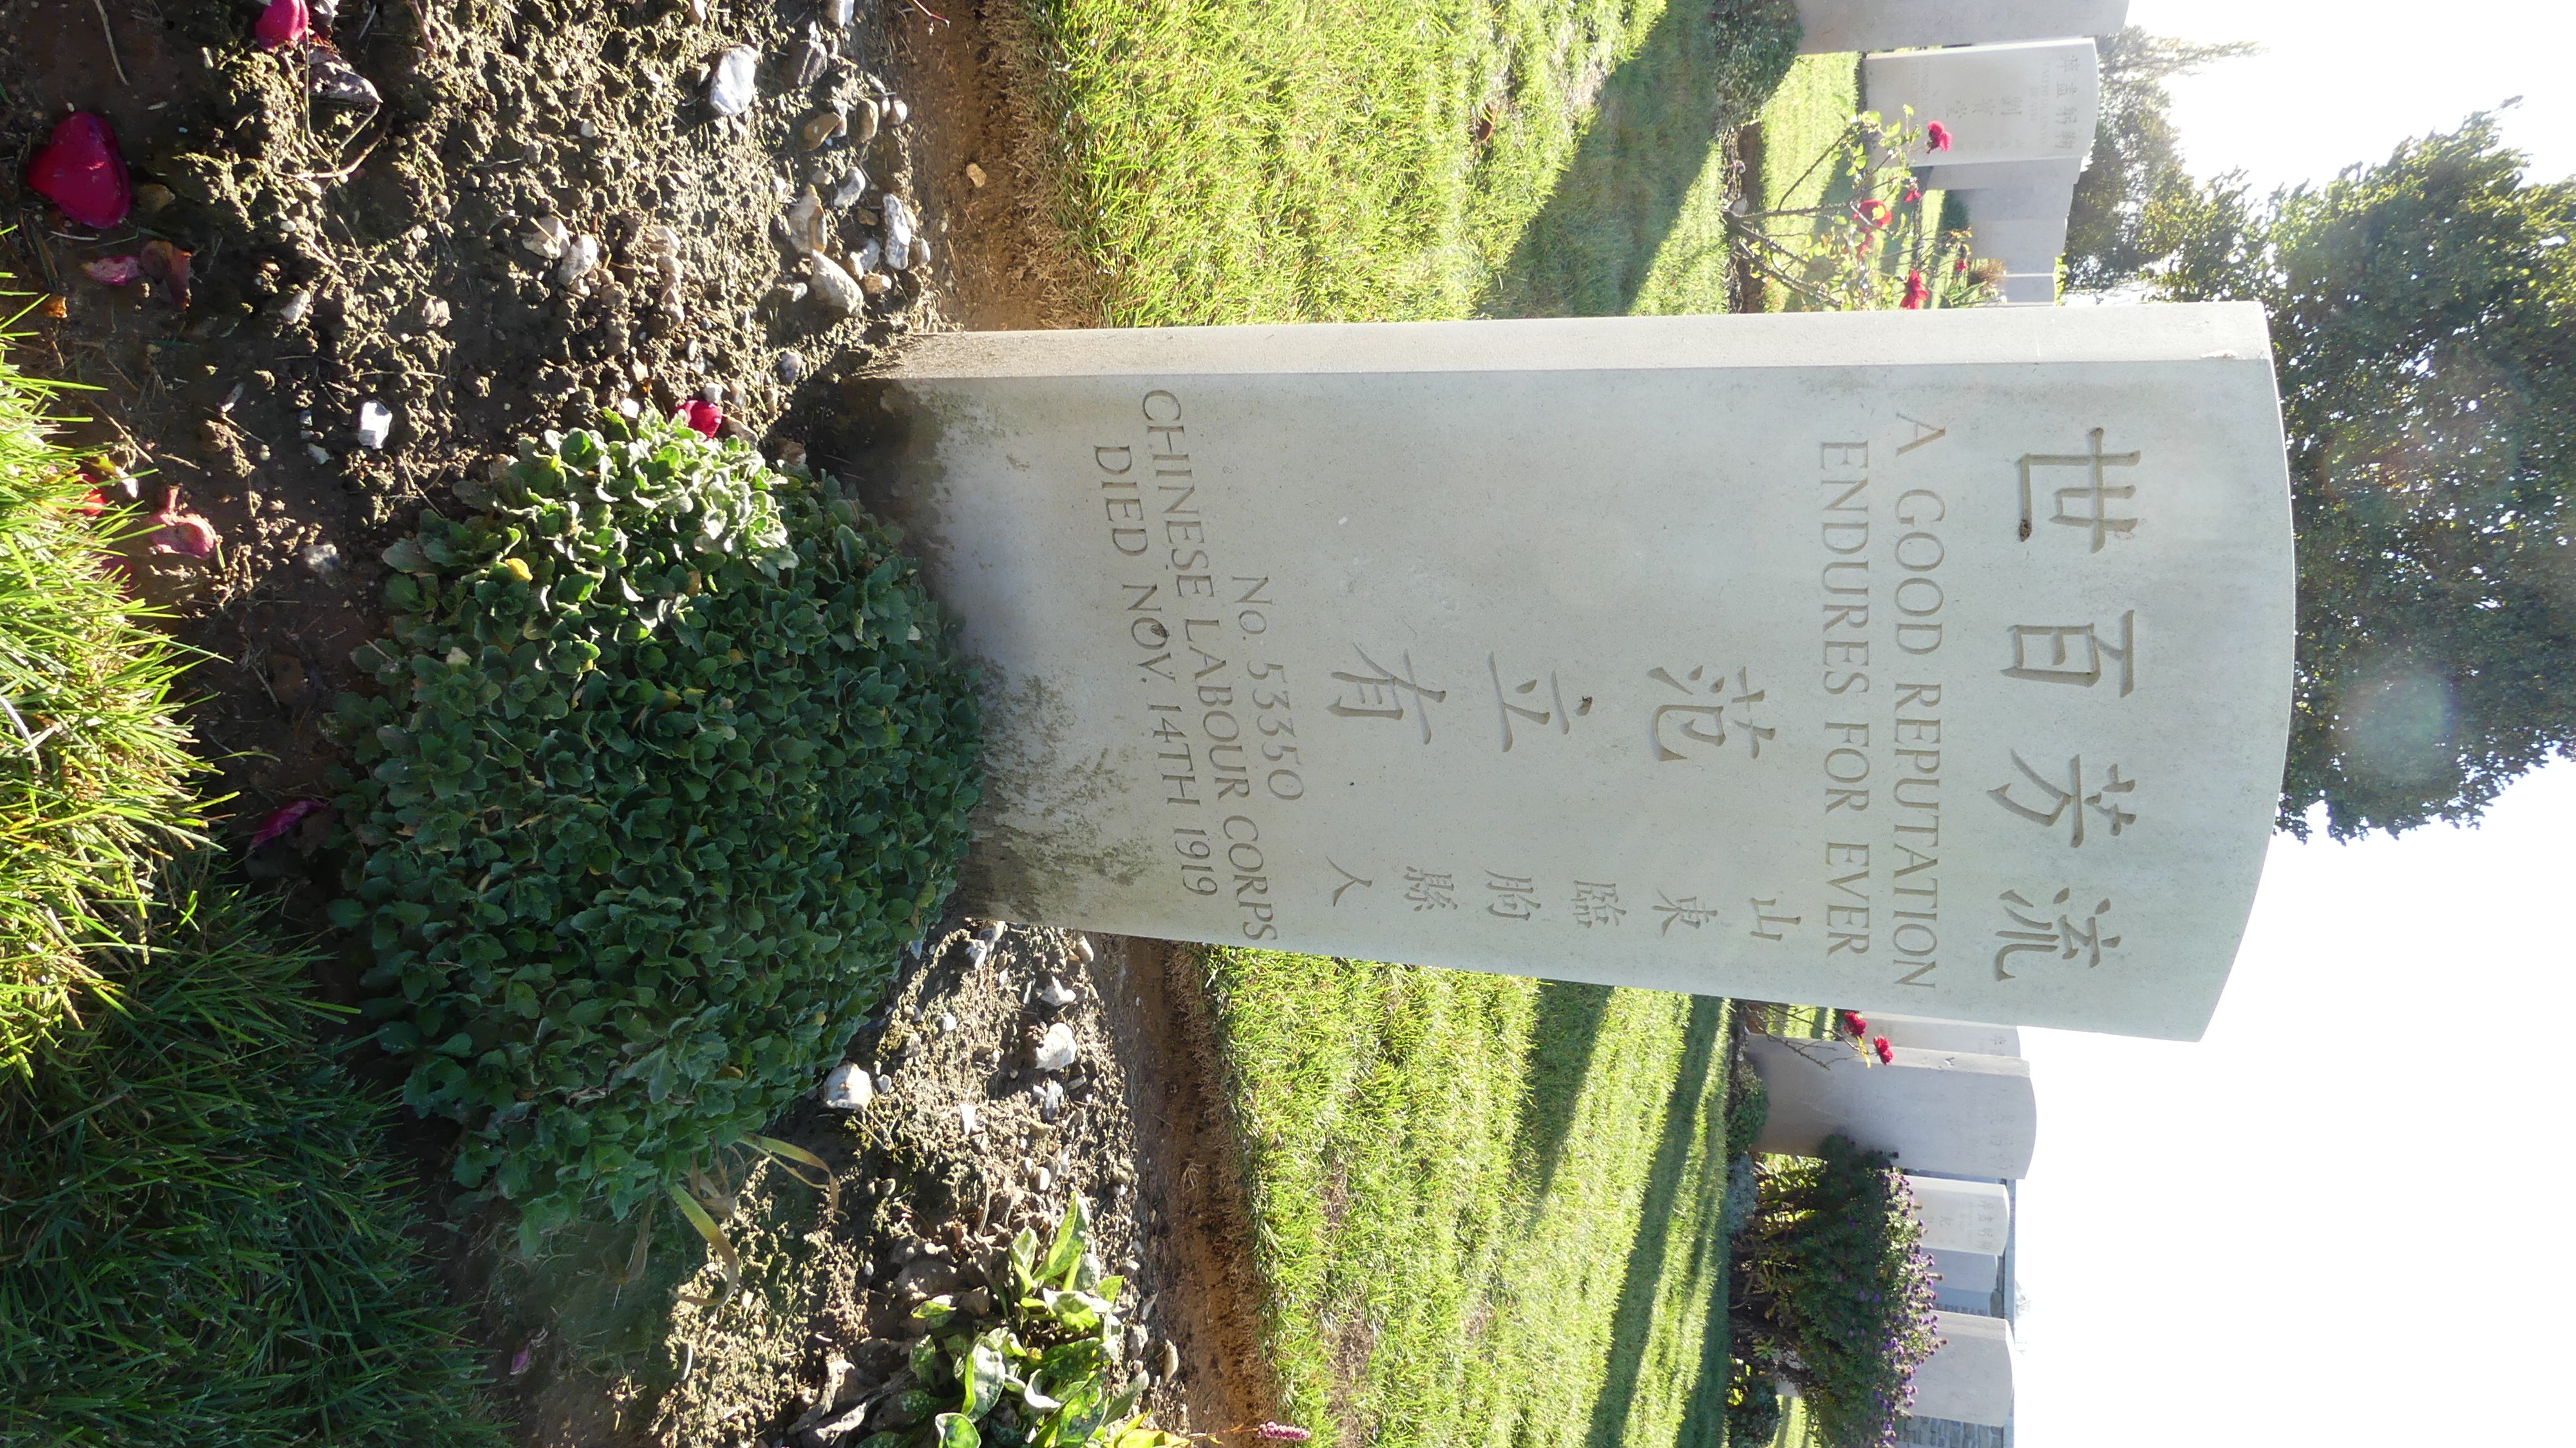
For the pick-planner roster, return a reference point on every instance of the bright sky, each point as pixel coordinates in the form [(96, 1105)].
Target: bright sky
[(2341, 1217)]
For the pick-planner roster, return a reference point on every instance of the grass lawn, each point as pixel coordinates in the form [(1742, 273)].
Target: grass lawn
[(1487, 1208), (1283, 160)]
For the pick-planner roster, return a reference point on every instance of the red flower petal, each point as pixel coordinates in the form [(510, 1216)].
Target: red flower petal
[(702, 416), (114, 271), (1937, 136), (81, 170), (284, 22), (282, 820)]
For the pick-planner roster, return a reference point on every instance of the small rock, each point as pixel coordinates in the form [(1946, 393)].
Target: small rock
[(991, 934), (322, 560), (896, 111), (837, 13), (149, 198), (579, 256), (812, 56), (947, 1022), (1044, 1180), (869, 256), (1054, 995), (434, 314), (1082, 948), (317, 452), (732, 88), (1056, 1049), (849, 189), (292, 307), (863, 123), (918, 256), (791, 367), (1050, 1099), (848, 1088), (975, 175), (820, 129), (835, 289), (976, 950), (334, 79), (804, 221), (876, 284), (966, 1114), (546, 237), (898, 227), (375, 425)]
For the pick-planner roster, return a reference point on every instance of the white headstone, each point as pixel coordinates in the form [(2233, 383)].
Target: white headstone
[(2004, 175), (1969, 1379), (2018, 203), (1971, 1273), (2026, 102), (2034, 288), (1843, 25), (1933, 661), (1934, 1111), (1929, 1034), (2016, 237), (1962, 1216)]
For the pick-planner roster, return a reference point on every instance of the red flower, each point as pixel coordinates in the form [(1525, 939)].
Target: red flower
[(1937, 136), (1959, 267), (1886, 1053), (278, 823), (284, 22), (702, 416), (1871, 211), (1917, 291), (1913, 194), (81, 170), (1853, 1025)]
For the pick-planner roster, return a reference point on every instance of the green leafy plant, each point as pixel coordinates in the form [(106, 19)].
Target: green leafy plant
[(671, 756), (1834, 1294), (201, 1242), (93, 765), (1873, 248), (1041, 1377)]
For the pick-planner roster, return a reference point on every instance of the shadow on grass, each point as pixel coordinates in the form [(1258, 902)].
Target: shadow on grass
[(1634, 1319), (1700, 73), (1566, 1024)]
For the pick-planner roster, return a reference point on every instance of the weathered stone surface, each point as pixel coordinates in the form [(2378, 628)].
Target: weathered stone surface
[(1931, 662), (2024, 102), (1929, 1034), (1934, 1111), (1843, 25), (1962, 1216)]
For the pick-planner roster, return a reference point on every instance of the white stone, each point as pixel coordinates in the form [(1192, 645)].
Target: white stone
[(375, 424), (579, 256), (2030, 288), (1962, 1216), (898, 229), (2024, 102), (1969, 1379), (1927, 1033), (1971, 1273), (1833, 26), (734, 85), (1934, 1111), (1056, 1049), (1457, 643), (2018, 203), (836, 289), (2053, 171), (848, 1088), (2016, 237)]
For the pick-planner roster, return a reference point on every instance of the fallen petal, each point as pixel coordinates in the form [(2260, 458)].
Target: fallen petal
[(280, 821), (81, 170), (114, 271), (169, 265), (702, 416), (283, 23)]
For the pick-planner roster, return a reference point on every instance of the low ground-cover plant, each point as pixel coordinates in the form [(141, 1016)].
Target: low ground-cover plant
[(92, 764), (1833, 1293), (200, 1245), (672, 756)]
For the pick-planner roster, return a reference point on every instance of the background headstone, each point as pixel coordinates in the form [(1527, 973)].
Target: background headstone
[(1935, 662), (2014, 238), (1972, 1273), (1843, 25), (2030, 288), (2052, 172), (2026, 102), (2018, 203), (1970, 1378), (1934, 1111), (1962, 1216), (1929, 1034)]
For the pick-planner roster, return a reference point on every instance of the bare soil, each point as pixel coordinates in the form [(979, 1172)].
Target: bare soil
[(340, 255)]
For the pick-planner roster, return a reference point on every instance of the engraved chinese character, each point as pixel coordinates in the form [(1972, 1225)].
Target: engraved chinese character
[(1765, 924), (1386, 693), (2073, 653), (1430, 889), (1515, 896), (2041, 933), (2088, 505), (1707, 723), (1557, 713), (1348, 880), (1597, 903), (2070, 802), (1684, 911)]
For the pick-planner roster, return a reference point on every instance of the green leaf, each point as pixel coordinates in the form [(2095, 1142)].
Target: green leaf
[(934, 1314), (956, 1430), (1072, 1238), (981, 1373)]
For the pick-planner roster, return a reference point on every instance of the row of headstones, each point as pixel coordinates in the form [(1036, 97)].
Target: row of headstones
[(1953, 1104), (2017, 85)]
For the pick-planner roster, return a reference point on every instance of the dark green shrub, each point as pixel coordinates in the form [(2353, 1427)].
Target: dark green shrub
[(1833, 1292), (200, 1245), (673, 756), (1752, 1405)]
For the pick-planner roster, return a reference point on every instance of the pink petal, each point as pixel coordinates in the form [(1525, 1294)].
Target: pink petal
[(81, 170), (184, 533), (520, 1360), (284, 22), (702, 416), (114, 271), (277, 824)]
